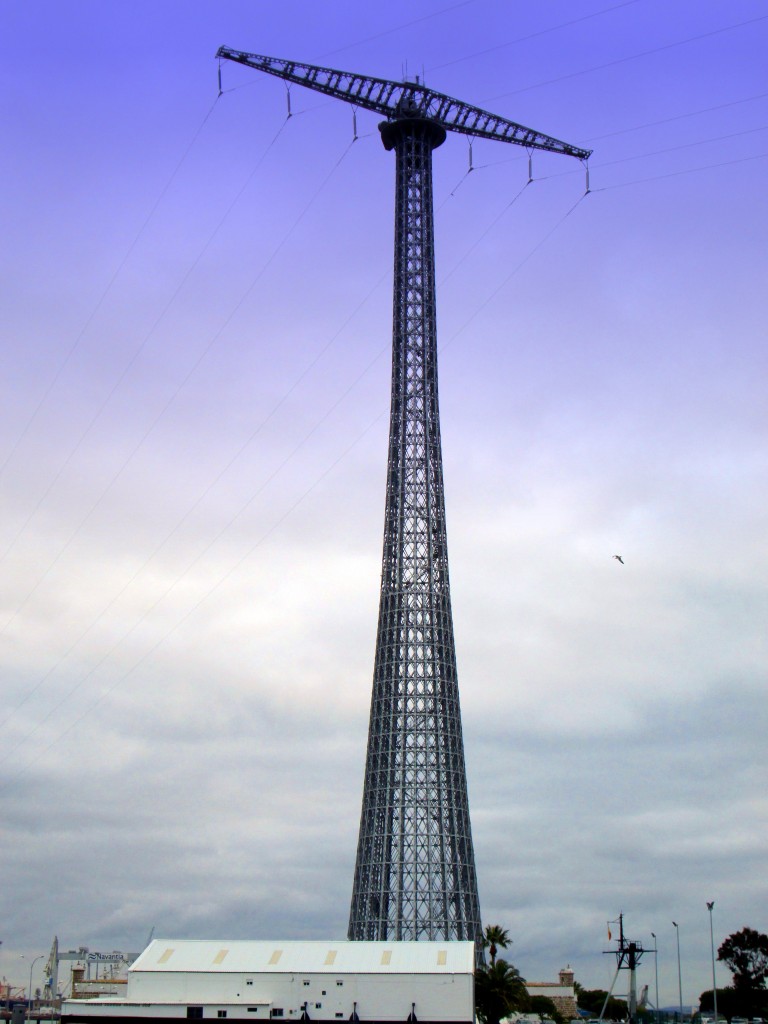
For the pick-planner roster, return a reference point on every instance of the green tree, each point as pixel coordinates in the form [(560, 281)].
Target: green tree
[(493, 937), (593, 999), (728, 1003), (546, 1008), (746, 955), (499, 991)]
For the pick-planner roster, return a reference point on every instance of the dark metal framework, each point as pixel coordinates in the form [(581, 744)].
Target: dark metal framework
[(628, 955), (391, 99), (415, 871)]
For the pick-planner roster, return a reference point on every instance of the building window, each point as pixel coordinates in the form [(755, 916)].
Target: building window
[(277, 1011), (253, 1009), (194, 1012), (305, 983), (221, 1013), (339, 1014)]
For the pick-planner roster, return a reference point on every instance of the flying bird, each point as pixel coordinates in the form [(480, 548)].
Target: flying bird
[(619, 559)]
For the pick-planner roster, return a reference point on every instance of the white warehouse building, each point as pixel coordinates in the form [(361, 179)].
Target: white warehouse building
[(321, 981)]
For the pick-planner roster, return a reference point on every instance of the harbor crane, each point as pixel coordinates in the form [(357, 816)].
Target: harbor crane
[(415, 870)]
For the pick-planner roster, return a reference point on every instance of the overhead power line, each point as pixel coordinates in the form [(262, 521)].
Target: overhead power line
[(182, 383), (378, 355), (93, 703), (532, 35), (631, 57), (675, 117), (105, 292)]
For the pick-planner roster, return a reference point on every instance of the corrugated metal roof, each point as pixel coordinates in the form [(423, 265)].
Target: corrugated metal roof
[(310, 957)]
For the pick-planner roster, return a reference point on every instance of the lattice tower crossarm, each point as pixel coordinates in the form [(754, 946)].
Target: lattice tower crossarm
[(403, 99), (415, 871)]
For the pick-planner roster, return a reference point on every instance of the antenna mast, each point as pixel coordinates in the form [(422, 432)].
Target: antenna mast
[(628, 956)]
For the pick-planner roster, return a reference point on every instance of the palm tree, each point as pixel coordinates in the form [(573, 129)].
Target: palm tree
[(499, 990), (493, 937)]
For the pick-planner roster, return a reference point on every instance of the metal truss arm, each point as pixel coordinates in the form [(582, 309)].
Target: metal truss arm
[(398, 100)]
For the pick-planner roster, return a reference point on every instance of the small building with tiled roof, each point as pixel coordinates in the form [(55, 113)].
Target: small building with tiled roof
[(561, 993)]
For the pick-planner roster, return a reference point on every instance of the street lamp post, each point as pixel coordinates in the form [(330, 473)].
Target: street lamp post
[(679, 973), (10, 989), (29, 993), (712, 946), (656, 972)]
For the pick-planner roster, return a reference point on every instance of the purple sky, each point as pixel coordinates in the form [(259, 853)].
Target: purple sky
[(197, 318)]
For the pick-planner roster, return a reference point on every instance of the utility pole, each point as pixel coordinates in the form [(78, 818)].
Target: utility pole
[(710, 907), (656, 974), (679, 970)]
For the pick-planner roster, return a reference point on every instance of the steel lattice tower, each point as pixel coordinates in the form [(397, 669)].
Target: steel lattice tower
[(415, 872)]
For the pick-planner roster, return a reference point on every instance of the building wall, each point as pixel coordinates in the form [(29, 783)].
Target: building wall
[(328, 997), (441, 999)]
